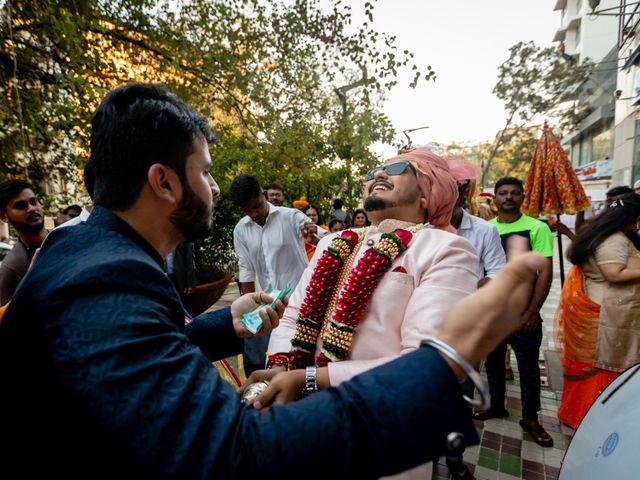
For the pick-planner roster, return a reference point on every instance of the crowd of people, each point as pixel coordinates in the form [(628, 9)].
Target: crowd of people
[(370, 363)]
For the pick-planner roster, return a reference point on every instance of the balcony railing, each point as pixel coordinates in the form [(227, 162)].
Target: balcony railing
[(628, 21)]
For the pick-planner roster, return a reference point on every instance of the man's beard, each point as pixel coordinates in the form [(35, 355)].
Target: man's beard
[(192, 217), (510, 209), (28, 228), (372, 204)]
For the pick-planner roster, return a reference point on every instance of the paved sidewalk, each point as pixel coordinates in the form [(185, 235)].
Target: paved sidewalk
[(505, 451)]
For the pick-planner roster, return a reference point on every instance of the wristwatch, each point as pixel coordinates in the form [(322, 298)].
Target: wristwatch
[(310, 381)]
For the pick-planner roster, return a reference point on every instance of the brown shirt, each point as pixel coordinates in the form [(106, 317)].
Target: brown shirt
[(619, 329), (13, 268)]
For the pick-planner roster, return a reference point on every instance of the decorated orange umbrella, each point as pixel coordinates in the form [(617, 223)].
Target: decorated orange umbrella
[(552, 186)]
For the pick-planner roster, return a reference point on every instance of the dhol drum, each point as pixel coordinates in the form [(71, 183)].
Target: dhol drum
[(607, 442)]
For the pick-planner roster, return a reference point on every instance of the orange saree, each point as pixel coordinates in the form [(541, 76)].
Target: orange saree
[(576, 332)]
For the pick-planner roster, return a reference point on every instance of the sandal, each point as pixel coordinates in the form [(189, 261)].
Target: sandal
[(537, 432)]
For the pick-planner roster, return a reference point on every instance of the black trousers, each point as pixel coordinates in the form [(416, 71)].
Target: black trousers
[(527, 349)]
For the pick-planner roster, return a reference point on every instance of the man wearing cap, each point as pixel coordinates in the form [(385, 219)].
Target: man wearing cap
[(480, 233), (374, 317)]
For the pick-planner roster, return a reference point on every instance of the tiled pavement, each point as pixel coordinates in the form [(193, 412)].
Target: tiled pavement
[(505, 451)]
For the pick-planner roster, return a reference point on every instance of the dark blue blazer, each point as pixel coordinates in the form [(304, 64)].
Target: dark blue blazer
[(99, 379)]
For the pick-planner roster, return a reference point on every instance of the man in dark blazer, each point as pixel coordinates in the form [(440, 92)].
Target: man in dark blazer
[(103, 374)]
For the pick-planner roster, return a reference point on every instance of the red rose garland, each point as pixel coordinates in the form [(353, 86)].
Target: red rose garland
[(356, 293), (316, 301), (352, 302)]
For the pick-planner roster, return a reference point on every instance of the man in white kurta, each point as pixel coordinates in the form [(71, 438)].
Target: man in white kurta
[(409, 304), (270, 248)]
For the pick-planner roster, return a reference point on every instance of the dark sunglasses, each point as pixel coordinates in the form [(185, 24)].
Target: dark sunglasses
[(394, 169)]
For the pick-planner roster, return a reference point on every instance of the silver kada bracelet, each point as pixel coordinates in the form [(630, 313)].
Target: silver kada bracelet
[(485, 398)]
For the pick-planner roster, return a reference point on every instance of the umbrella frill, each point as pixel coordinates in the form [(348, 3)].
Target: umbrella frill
[(551, 186)]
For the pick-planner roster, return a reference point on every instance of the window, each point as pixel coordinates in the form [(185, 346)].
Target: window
[(602, 143), (575, 154), (585, 150)]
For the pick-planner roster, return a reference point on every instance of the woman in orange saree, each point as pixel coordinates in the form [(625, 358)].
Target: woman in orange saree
[(576, 329), (595, 323)]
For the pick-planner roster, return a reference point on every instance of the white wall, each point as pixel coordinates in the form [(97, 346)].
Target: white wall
[(597, 35)]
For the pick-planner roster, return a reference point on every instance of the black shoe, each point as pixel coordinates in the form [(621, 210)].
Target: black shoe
[(491, 413), (537, 432), (459, 471)]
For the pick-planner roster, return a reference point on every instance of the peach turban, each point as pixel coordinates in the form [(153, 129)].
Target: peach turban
[(462, 170), (436, 182)]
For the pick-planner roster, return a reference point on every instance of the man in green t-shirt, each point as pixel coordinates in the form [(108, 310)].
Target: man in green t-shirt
[(509, 195)]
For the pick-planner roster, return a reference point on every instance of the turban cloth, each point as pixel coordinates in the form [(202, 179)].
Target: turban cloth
[(436, 183), (461, 170), (301, 202)]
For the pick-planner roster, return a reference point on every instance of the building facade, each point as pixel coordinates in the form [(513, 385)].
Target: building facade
[(627, 115), (587, 37)]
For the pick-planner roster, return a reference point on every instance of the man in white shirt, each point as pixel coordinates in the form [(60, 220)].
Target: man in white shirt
[(481, 234), (485, 239), (270, 247)]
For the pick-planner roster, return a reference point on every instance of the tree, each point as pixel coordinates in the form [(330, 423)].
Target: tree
[(266, 72), (514, 157), (535, 82), (257, 68)]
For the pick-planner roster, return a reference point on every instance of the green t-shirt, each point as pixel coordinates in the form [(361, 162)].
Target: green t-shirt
[(537, 232)]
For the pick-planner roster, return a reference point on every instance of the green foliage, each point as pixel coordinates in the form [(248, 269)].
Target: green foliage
[(514, 158), (215, 254), (536, 84), (266, 72)]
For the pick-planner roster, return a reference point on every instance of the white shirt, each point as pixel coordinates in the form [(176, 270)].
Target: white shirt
[(274, 253), (485, 238), (83, 217)]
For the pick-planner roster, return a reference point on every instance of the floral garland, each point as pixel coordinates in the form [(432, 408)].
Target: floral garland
[(352, 302)]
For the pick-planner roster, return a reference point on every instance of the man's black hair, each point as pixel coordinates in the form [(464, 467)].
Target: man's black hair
[(10, 188), (620, 190), (135, 126), (71, 207), (243, 189), (508, 181), (274, 186), (334, 221), (337, 204)]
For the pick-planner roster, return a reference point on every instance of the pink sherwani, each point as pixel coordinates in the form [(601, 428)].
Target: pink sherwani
[(405, 308)]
